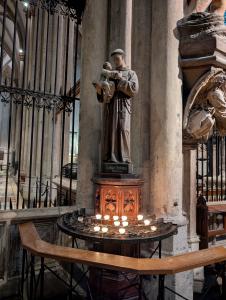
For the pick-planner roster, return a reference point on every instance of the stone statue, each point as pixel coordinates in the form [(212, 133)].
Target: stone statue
[(200, 33), (206, 106), (213, 6), (115, 90), (107, 86)]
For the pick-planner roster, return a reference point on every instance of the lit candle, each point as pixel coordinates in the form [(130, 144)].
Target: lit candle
[(98, 216), (96, 228), (125, 223), (115, 218), (147, 222), (140, 217), (153, 228), (117, 223), (122, 230), (106, 217), (104, 229), (124, 218)]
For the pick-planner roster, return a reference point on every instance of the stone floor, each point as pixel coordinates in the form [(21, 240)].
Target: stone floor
[(65, 297)]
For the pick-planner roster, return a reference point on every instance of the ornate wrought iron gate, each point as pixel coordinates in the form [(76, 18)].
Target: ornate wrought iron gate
[(39, 89), (211, 169)]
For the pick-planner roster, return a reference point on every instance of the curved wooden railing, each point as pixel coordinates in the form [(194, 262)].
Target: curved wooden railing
[(32, 242)]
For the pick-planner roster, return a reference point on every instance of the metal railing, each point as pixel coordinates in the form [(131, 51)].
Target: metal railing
[(211, 169), (35, 247), (39, 71)]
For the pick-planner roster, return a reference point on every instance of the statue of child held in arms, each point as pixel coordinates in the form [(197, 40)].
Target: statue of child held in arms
[(106, 84)]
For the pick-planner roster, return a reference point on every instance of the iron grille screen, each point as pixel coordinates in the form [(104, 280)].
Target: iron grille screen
[(39, 93), (211, 169)]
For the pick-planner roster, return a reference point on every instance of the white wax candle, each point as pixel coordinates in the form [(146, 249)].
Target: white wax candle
[(125, 223), (122, 230), (115, 218), (96, 228), (140, 217), (104, 229), (153, 228), (117, 223), (98, 216), (124, 218), (106, 217), (80, 219), (147, 222)]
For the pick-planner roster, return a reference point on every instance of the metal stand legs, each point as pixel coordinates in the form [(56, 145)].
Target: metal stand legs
[(161, 292), (42, 278), (22, 275)]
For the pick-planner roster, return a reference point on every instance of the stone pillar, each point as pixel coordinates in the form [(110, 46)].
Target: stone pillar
[(189, 195), (166, 163), (140, 122), (120, 26), (166, 111), (93, 55), (189, 206)]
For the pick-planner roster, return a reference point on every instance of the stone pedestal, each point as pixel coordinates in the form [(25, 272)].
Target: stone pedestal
[(117, 168), (118, 196), (194, 66)]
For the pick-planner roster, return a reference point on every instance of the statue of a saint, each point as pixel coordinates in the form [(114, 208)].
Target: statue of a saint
[(115, 90)]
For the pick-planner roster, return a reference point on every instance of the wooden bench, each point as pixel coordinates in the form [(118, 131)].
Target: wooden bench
[(203, 221)]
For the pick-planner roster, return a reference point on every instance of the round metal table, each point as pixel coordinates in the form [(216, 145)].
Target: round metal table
[(81, 227)]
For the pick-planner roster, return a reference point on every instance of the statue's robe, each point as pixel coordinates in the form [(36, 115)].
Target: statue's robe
[(117, 118)]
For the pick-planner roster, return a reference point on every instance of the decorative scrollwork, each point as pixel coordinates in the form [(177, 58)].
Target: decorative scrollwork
[(27, 101), (5, 97), (50, 5), (70, 8), (19, 96)]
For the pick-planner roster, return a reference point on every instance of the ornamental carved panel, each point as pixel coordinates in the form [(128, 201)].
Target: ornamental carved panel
[(130, 202), (110, 201)]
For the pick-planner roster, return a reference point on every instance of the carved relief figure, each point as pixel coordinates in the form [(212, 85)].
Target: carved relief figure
[(199, 33), (116, 94), (195, 6), (110, 202), (107, 86), (206, 106), (129, 202)]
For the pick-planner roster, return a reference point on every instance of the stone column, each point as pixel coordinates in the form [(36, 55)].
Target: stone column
[(189, 195), (189, 206), (166, 111), (120, 26), (93, 55), (166, 163), (140, 122)]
